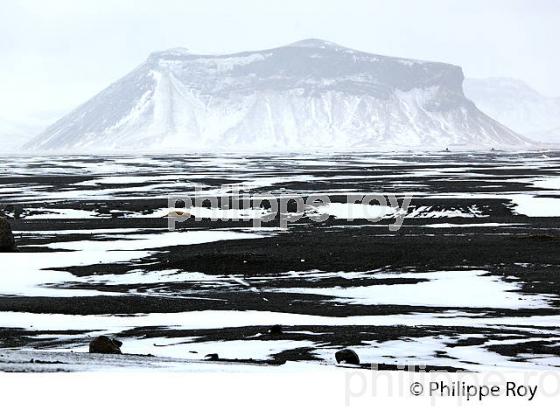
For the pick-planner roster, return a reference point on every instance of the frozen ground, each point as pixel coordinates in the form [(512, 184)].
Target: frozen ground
[(470, 281)]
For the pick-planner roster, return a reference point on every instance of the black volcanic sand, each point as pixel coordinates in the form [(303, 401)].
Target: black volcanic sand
[(522, 249)]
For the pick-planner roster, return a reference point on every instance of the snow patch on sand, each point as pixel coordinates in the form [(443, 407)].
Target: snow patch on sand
[(534, 206), (470, 288)]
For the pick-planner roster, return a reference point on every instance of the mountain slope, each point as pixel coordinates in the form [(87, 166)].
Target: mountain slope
[(308, 95), (518, 106)]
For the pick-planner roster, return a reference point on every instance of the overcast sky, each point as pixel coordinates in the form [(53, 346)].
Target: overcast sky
[(55, 54)]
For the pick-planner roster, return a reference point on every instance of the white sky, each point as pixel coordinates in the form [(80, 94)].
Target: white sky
[(55, 54)]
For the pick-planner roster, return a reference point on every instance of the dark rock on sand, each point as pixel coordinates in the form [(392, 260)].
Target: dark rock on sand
[(106, 345), (347, 356), (15, 211), (275, 330), (212, 357), (7, 242)]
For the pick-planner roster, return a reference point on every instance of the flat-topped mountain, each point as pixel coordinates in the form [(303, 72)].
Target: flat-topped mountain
[(309, 95)]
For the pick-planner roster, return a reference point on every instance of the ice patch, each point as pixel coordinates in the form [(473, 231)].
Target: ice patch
[(51, 213), (470, 288), (549, 183), (217, 319), (154, 241), (481, 225), (25, 275), (189, 348), (208, 213), (351, 211), (533, 206), (429, 212)]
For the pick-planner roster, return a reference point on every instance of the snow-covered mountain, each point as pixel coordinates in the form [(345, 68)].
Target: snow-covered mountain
[(304, 96), (518, 106)]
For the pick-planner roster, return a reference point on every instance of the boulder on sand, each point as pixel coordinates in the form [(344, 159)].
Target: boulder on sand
[(106, 345), (7, 242), (212, 357), (275, 330), (347, 356)]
